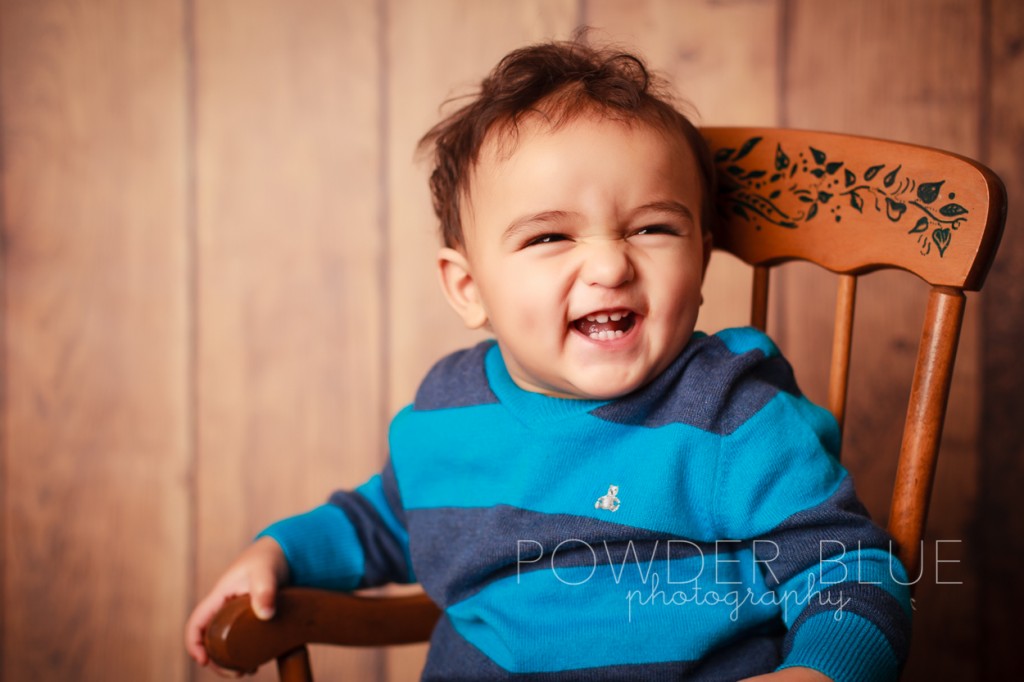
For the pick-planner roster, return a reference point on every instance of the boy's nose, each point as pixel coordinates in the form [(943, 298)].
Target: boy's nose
[(608, 265)]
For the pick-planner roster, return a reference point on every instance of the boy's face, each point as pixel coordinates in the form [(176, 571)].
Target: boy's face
[(583, 254)]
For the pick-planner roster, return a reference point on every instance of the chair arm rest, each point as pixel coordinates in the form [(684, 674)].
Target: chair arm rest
[(236, 639)]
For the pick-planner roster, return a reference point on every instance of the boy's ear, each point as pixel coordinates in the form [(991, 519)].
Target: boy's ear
[(460, 288)]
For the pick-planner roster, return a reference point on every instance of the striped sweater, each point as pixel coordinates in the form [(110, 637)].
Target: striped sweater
[(700, 527)]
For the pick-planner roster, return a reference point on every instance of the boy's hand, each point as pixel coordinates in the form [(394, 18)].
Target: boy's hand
[(791, 675), (257, 572)]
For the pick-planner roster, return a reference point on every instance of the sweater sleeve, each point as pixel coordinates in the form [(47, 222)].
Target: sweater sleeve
[(844, 597), (357, 539)]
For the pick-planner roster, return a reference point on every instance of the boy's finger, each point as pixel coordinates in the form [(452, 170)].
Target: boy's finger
[(194, 636), (264, 590)]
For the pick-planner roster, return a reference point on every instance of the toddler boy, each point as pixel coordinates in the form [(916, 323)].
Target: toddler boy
[(600, 493)]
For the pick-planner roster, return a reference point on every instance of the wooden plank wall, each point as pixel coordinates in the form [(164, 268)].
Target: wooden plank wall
[(217, 282)]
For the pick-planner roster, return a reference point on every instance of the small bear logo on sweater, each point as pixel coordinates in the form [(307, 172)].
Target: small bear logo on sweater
[(609, 502)]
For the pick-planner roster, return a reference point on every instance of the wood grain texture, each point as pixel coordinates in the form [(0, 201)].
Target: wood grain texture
[(999, 520), (95, 348), (721, 82), (890, 70), (290, 313)]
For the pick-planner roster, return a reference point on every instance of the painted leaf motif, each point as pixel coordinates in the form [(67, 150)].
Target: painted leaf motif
[(857, 202), (740, 211), (723, 154), (894, 209), (775, 194), (734, 170), (929, 191), (819, 156), (833, 167), (813, 211), (891, 177), (873, 171), (920, 226), (775, 176), (747, 146), (817, 172), (781, 160), (754, 174), (850, 177), (952, 210), (941, 239), (806, 199), (823, 197)]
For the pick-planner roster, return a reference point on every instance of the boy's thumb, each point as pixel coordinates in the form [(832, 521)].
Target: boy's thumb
[(262, 600)]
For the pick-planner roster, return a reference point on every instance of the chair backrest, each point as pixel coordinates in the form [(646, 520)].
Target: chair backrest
[(854, 205), (849, 204)]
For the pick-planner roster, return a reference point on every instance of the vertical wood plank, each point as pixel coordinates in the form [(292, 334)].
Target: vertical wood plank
[(907, 71), (731, 81), (436, 50), (95, 348), (1000, 523), (289, 236)]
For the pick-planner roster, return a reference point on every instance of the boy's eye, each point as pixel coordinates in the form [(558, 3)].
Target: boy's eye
[(657, 229), (549, 238)]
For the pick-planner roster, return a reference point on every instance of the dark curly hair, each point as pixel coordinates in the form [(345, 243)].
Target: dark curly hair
[(560, 80)]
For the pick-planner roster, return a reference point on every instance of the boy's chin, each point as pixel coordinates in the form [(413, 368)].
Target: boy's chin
[(608, 385)]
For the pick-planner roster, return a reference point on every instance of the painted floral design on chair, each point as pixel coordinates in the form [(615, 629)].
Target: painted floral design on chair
[(816, 185)]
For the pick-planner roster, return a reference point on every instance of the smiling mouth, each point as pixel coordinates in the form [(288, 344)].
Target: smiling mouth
[(605, 326)]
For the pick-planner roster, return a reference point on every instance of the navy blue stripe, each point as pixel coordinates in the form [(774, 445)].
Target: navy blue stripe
[(457, 380), (865, 600), (839, 525), (460, 551), (384, 558), (452, 659), (707, 386)]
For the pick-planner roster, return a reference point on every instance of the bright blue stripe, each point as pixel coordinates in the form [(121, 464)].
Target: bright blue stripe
[(373, 491), (742, 340), (776, 465), (322, 548), (665, 476), (847, 649), (521, 623), (662, 474)]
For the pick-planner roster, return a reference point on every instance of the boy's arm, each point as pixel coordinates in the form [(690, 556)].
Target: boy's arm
[(358, 539), (843, 596)]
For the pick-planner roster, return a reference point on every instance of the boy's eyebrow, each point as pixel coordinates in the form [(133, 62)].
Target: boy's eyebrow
[(669, 206)]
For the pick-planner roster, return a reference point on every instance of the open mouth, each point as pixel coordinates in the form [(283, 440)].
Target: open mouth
[(605, 326)]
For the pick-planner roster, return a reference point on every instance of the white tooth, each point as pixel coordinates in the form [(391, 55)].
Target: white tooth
[(615, 317), (602, 318), (591, 318), (595, 335), (619, 333)]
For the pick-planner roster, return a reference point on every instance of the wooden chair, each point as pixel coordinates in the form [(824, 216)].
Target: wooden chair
[(849, 204)]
